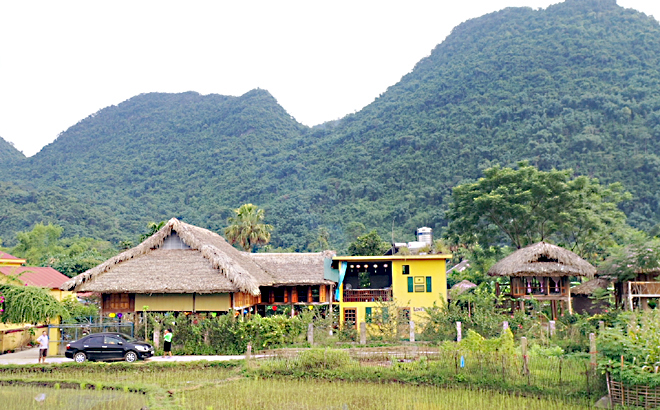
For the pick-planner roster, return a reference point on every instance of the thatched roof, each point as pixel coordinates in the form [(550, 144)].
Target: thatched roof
[(542, 259), (588, 287), (210, 265), (292, 269), (461, 287)]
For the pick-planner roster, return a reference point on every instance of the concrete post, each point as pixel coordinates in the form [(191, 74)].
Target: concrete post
[(523, 349), (505, 325), (459, 331), (363, 333), (412, 331), (551, 328), (310, 334), (592, 350)]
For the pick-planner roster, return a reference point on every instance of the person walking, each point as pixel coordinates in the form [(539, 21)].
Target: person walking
[(167, 348), (43, 347)]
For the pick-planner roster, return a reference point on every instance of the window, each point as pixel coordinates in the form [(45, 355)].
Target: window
[(316, 294), (367, 314), (278, 295), (404, 314), (350, 317), (411, 287), (302, 293), (428, 284), (419, 284), (406, 269), (111, 340)]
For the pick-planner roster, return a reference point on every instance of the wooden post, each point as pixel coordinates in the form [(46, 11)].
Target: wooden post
[(412, 331), (363, 333), (592, 351), (523, 349), (459, 331), (310, 334), (551, 328), (332, 295), (630, 300)]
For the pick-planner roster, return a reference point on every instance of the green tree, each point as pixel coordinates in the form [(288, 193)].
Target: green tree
[(524, 205), (28, 304), (37, 245), (152, 228), (368, 245), (43, 246), (247, 228)]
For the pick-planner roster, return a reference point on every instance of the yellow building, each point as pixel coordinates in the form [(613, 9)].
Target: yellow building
[(15, 335), (412, 282)]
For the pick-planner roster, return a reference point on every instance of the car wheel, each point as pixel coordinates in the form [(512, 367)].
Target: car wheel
[(79, 357), (130, 356)]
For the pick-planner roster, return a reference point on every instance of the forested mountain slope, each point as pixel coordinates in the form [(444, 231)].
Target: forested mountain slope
[(571, 86), (156, 156), (8, 152)]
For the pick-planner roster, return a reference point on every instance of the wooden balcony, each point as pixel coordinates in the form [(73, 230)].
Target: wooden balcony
[(644, 289), (367, 295)]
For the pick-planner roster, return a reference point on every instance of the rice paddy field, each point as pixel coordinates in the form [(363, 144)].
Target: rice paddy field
[(48, 398), (258, 394), (320, 379)]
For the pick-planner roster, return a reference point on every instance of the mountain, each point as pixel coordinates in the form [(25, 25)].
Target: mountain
[(8, 152), (571, 86)]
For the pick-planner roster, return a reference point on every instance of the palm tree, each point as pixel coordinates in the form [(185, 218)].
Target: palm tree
[(247, 229)]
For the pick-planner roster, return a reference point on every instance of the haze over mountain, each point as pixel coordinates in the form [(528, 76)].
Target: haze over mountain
[(572, 86)]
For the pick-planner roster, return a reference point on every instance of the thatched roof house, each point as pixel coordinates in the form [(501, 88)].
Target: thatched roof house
[(462, 286), (542, 259), (184, 259), (541, 272), (589, 287), (582, 296)]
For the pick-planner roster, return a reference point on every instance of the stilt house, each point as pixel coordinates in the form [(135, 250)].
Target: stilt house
[(541, 272)]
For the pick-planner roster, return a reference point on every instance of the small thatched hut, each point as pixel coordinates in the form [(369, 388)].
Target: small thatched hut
[(187, 268), (581, 296), (461, 287), (542, 272)]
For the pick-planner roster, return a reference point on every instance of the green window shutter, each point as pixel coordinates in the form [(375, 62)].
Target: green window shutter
[(411, 285), (428, 284), (367, 314)]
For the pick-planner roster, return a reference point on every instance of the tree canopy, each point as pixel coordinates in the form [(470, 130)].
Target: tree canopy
[(369, 244), (28, 304), (247, 228), (522, 206)]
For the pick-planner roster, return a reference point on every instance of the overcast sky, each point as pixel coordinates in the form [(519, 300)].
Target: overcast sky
[(61, 61)]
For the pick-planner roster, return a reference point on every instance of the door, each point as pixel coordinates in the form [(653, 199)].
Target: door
[(113, 347), (92, 347)]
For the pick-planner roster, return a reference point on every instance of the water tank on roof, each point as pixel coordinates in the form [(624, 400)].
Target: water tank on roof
[(425, 234)]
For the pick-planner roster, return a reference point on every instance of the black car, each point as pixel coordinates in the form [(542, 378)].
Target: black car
[(108, 346)]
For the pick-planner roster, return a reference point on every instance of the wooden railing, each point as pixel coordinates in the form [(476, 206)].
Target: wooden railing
[(645, 288), (367, 295)]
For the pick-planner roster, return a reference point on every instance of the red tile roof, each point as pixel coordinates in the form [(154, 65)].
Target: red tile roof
[(36, 276), (5, 255)]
